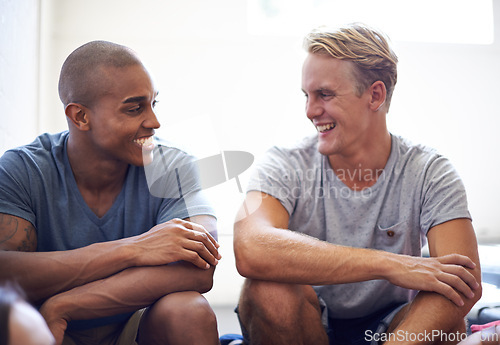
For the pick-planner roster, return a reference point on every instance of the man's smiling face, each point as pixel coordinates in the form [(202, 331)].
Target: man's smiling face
[(122, 121), (333, 105)]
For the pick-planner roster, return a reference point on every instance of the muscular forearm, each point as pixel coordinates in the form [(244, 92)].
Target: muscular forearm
[(127, 291), (313, 262), (43, 274), (307, 260), (266, 250)]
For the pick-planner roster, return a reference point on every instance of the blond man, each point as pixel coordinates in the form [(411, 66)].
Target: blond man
[(331, 247)]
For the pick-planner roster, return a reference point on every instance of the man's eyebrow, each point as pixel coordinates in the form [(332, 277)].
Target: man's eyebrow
[(325, 88), (137, 99)]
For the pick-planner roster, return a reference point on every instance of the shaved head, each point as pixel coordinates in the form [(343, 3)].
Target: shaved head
[(83, 77)]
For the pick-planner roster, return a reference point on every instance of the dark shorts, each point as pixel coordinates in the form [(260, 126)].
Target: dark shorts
[(363, 330)]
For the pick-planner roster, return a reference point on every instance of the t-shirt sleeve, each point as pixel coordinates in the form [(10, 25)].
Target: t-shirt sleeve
[(174, 176), (276, 175), (192, 203), (15, 187), (444, 196)]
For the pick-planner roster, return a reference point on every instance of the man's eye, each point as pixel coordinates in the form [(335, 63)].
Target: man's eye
[(135, 109), (155, 102)]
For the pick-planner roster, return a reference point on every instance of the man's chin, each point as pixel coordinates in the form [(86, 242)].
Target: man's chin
[(147, 158), (328, 147), (325, 150)]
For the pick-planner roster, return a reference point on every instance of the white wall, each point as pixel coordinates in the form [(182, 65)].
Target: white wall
[(19, 42), (223, 88)]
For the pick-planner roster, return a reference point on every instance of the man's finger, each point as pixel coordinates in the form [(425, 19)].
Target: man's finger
[(457, 259), (202, 252), (194, 258), (200, 228), (450, 293), (204, 238), (458, 284), (463, 274)]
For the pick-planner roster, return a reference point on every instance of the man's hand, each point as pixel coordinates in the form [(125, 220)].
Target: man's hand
[(57, 323), (176, 240), (446, 275)]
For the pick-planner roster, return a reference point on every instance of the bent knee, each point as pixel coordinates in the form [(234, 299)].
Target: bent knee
[(275, 302), (183, 307), (176, 315), (277, 293)]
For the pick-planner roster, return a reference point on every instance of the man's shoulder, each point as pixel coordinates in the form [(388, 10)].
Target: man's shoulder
[(167, 157), (44, 148), (419, 161), (305, 150), (290, 160), (407, 150), (171, 167), (171, 151)]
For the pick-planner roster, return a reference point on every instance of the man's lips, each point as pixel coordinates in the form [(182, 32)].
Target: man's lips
[(145, 142), (325, 127)]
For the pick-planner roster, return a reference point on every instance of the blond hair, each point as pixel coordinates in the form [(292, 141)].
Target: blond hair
[(368, 49)]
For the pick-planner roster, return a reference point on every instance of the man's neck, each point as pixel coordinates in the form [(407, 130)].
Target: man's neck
[(99, 181), (91, 171), (362, 169)]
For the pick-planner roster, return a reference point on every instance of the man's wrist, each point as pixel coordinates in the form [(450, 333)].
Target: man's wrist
[(383, 264), (125, 253), (56, 308)]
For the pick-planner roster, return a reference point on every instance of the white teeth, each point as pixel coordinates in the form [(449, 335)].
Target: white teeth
[(324, 128), (144, 141)]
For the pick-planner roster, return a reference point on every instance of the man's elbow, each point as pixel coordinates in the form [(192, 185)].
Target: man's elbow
[(205, 280), (478, 293), (246, 262), (251, 252), (470, 302), (242, 266)]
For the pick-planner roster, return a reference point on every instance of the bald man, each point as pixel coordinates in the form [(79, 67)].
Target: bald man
[(102, 225)]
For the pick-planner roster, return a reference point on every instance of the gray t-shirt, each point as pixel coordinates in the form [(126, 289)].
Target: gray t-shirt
[(417, 190)]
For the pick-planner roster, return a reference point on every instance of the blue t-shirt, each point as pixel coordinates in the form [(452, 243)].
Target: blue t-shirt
[(38, 185), (417, 190)]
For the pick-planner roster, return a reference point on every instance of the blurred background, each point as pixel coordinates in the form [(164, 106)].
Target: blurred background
[(229, 72)]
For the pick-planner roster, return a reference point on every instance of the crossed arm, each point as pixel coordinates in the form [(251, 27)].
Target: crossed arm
[(262, 240), (432, 313), (114, 277)]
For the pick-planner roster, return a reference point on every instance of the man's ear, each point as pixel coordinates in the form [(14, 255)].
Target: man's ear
[(378, 94), (77, 115)]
